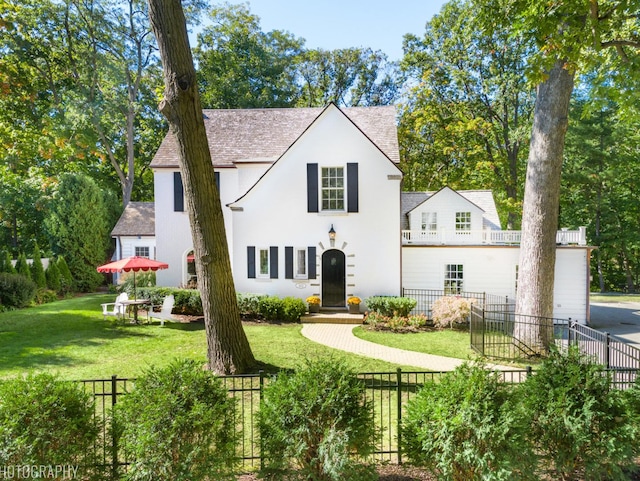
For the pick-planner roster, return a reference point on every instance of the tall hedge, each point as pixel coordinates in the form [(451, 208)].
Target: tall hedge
[(79, 227)]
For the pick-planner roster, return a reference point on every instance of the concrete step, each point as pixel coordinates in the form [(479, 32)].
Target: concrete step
[(332, 317)]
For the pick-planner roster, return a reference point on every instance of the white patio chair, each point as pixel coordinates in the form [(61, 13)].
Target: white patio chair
[(118, 309), (165, 312)]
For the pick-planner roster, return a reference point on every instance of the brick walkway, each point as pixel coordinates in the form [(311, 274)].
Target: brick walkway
[(340, 336)]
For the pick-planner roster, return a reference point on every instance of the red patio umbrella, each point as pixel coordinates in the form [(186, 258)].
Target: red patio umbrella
[(134, 264)]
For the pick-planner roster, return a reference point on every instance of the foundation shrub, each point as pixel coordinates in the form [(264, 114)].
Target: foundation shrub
[(580, 425), (271, 308), (314, 421), (249, 304), (391, 306), (178, 424), (466, 427), (46, 421), (292, 309)]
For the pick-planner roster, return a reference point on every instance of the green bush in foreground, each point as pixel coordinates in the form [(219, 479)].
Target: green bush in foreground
[(315, 420), (578, 423), (16, 290), (45, 421), (178, 424), (465, 427), (391, 306)]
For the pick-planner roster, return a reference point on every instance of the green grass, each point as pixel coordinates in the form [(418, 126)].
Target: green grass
[(70, 338), (613, 297), (446, 342)]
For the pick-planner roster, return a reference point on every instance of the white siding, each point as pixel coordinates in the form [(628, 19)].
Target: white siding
[(492, 269)]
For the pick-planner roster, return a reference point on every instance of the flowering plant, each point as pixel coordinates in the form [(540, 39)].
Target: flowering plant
[(354, 301), (313, 300)]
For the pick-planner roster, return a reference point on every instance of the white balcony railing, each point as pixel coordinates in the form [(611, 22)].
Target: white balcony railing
[(488, 237)]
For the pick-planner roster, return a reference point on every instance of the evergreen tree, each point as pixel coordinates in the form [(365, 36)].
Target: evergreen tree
[(37, 269), (8, 263), (53, 275), (22, 266), (66, 279)]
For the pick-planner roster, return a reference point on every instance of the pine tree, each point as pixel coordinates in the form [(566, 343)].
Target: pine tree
[(66, 279), (53, 275), (37, 269), (22, 266)]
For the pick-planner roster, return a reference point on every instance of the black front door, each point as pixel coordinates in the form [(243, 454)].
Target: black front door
[(333, 279)]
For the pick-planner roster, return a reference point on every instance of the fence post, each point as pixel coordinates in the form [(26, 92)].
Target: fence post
[(399, 408), (529, 371), (607, 349), (261, 374), (114, 437)]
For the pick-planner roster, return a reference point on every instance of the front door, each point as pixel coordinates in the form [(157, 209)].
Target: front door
[(333, 279)]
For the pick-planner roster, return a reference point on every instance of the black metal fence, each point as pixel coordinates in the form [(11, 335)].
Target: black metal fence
[(502, 334), (388, 394), (426, 297)]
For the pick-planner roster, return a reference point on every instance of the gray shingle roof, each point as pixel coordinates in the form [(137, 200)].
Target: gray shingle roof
[(263, 135), (138, 218)]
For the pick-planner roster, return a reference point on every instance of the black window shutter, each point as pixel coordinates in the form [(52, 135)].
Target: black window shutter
[(312, 187), (288, 262), (273, 262), (216, 175), (352, 187), (251, 262), (311, 260), (178, 193)]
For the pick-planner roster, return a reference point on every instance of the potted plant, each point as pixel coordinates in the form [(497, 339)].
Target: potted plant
[(354, 305), (314, 303)]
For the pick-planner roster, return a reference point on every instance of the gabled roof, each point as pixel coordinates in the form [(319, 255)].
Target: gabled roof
[(263, 135), (483, 199), (138, 218)]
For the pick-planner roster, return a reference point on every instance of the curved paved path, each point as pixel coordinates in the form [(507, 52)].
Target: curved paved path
[(340, 336)]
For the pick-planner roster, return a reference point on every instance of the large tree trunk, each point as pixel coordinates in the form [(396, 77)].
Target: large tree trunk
[(228, 348), (540, 207)]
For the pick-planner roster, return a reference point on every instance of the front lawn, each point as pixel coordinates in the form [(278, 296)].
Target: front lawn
[(446, 342), (71, 338)]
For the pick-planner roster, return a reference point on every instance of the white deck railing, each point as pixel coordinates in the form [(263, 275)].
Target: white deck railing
[(489, 237)]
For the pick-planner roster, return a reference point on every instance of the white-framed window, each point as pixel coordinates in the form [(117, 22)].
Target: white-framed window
[(453, 279), (263, 262), (142, 251), (429, 221), (300, 263), (332, 187), (463, 221)]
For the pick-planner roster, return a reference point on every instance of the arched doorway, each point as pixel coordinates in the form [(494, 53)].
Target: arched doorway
[(333, 279)]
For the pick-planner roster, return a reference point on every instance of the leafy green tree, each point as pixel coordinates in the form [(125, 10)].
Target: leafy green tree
[(37, 269), (240, 66), (349, 77), (79, 228), (468, 114)]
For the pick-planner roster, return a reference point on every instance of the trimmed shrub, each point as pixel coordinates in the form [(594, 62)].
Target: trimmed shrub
[(465, 427), (391, 306), (45, 421), (178, 424), (44, 296), (66, 279), (580, 425), (16, 290), (249, 304), (271, 308), (450, 311), (6, 263), (292, 309), (315, 420), (22, 266), (37, 269)]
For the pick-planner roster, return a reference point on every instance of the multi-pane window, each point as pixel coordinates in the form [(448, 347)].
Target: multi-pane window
[(463, 221), (300, 263), (429, 221), (453, 279), (142, 251), (263, 262), (333, 188)]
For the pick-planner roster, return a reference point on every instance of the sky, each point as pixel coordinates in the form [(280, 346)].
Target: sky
[(333, 24)]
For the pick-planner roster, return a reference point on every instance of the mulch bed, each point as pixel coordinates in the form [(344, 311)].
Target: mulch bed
[(387, 472)]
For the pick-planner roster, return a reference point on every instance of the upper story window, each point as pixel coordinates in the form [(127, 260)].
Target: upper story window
[(332, 188), (463, 221), (429, 221), (142, 251)]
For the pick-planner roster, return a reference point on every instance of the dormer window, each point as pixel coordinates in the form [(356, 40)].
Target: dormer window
[(463, 221), (429, 222)]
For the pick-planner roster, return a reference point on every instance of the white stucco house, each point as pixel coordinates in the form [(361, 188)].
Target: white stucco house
[(313, 205)]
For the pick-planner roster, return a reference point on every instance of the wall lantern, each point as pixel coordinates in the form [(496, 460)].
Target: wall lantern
[(332, 233)]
